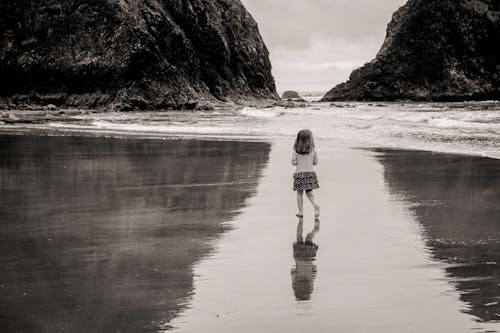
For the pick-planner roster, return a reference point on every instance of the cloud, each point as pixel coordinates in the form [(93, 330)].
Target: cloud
[(315, 44)]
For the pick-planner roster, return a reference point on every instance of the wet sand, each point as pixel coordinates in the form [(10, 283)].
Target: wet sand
[(456, 202), (104, 235), (374, 270), (100, 235)]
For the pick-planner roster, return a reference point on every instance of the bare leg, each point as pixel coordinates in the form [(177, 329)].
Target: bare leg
[(310, 196), (300, 228), (300, 202), (310, 236)]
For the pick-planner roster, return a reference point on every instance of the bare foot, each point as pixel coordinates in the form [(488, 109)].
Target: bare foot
[(316, 211)]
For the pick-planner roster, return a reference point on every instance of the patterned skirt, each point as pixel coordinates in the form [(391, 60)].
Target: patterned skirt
[(304, 181)]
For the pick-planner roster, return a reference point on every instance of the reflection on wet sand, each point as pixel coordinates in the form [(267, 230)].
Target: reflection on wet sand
[(456, 200), (100, 235), (304, 253)]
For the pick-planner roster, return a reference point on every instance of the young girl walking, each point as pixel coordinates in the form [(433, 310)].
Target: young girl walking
[(304, 179)]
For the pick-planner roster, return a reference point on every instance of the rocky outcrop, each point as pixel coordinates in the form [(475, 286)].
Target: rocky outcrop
[(444, 50), (132, 54), (290, 94)]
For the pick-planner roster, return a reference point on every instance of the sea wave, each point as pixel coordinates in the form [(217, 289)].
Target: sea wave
[(436, 127), (260, 113), (458, 124), (363, 116), (174, 128), (166, 128)]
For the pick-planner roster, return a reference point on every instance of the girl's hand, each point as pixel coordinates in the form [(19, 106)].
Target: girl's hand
[(294, 158)]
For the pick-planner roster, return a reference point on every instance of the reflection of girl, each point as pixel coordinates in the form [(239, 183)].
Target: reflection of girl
[(304, 179), (304, 271)]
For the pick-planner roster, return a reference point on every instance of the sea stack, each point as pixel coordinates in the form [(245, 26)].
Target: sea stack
[(290, 94), (443, 50), (133, 54)]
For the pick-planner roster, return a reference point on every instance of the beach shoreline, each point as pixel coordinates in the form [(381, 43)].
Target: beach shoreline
[(459, 128), (385, 253)]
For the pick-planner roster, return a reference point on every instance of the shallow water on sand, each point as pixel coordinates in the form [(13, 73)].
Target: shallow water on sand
[(103, 235), (373, 271), (100, 235)]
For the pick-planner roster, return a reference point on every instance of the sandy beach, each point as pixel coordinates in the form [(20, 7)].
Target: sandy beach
[(137, 235), (147, 169)]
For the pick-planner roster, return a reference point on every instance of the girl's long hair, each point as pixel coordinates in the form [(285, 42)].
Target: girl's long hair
[(304, 144)]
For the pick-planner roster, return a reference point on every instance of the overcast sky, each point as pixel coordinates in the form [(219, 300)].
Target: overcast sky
[(315, 44)]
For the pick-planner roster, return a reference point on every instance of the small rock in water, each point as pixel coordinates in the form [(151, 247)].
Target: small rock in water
[(342, 105), (290, 94), (290, 104)]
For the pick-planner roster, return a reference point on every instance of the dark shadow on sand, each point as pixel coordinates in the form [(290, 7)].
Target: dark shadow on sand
[(456, 199), (100, 235)]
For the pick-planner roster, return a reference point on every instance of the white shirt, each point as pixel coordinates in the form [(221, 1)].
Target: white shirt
[(304, 162)]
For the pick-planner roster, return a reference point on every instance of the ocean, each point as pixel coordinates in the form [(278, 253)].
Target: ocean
[(471, 128)]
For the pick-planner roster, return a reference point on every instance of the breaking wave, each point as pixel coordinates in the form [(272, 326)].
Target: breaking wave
[(466, 128)]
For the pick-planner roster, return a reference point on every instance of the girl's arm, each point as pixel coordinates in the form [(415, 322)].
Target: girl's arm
[(294, 158), (315, 159)]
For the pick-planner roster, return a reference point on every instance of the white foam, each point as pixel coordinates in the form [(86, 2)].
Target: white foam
[(260, 113), (362, 116), (445, 129), (168, 128), (452, 123), (415, 117)]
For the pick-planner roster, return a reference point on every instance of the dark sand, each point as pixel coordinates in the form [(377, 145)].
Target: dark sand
[(107, 235)]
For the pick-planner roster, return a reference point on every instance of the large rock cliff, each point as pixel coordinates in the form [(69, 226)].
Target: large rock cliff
[(434, 50), (135, 54)]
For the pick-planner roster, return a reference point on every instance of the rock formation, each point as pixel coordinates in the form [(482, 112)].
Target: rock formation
[(290, 94), (443, 50), (133, 54)]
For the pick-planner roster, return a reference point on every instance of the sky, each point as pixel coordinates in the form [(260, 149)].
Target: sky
[(315, 44)]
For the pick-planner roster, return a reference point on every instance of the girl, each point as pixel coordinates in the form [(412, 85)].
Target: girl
[(304, 179)]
